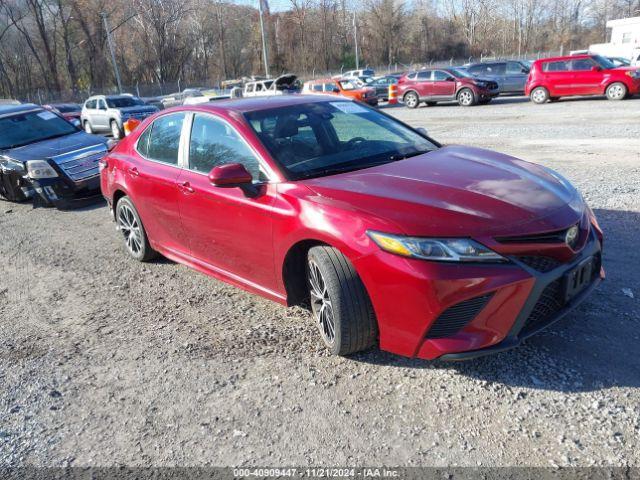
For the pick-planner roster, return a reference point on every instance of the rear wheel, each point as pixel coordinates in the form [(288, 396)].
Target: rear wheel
[(539, 95), (133, 232), (616, 91), (339, 302), (10, 187), (466, 97), (411, 100)]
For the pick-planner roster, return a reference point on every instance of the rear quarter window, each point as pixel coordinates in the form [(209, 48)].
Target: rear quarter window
[(559, 66)]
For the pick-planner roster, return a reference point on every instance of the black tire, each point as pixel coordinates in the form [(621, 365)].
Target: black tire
[(138, 246), (466, 97), (87, 127), (10, 187), (411, 99), (116, 131), (539, 95), (617, 91), (354, 323)]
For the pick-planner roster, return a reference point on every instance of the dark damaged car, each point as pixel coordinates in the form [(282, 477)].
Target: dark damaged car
[(45, 158)]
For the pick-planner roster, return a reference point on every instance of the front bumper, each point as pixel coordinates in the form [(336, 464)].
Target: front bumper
[(409, 296), (63, 193)]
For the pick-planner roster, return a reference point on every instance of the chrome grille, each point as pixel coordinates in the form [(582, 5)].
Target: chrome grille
[(81, 164)]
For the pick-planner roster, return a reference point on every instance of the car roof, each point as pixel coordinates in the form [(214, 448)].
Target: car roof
[(566, 57), (24, 107), (252, 104)]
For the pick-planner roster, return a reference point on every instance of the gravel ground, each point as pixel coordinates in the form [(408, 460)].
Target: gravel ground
[(104, 361)]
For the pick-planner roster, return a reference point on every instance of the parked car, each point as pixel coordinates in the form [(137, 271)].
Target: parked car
[(45, 158), (107, 113), (552, 78), (445, 85), (274, 86), (424, 250), (362, 72), (342, 87), (510, 75), (70, 111), (381, 85)]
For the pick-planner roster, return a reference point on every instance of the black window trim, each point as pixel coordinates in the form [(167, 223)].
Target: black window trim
[(264, 167), (179, 162)]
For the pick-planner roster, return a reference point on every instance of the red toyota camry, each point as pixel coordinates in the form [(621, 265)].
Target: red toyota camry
[(396, 241)]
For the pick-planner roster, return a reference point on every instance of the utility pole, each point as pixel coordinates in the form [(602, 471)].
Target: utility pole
[(264, 41), (355, 38), (113, 55)]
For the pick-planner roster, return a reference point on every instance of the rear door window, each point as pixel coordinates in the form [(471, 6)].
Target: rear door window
[(424, 76), (164, 139), (440, 76), (560, 66)]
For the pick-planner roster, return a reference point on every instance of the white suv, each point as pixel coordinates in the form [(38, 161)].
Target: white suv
[(107, 113)]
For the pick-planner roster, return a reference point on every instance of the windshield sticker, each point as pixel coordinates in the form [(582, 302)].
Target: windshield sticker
[(46, 115), (349, 107)]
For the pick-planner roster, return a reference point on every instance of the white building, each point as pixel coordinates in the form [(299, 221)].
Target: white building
[(625, 40)]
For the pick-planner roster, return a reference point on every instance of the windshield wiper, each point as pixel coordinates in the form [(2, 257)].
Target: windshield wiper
[(401, 156)]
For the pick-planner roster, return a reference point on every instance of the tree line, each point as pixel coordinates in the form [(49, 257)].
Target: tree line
[(61, 45)]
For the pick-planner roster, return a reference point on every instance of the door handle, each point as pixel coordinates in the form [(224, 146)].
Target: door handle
[(186, 187), (133, 171)]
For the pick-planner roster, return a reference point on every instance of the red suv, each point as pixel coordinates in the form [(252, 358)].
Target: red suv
[(392, 239), (445, 85), (552, 78)]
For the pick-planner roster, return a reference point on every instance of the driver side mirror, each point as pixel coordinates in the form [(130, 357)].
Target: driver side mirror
[(595, 68), (230, 175), (451, 79)]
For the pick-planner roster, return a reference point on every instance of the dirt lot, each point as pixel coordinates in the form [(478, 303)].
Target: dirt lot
[(104, 361)]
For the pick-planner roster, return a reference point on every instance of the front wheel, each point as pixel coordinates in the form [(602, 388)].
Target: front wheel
[(411, 100), (466, 98), (339, 302), (616, 91), (87, 127), (115, 130), (135, 237), (539, 95)]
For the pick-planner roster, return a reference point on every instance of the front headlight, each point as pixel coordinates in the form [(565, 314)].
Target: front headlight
[(40, 169), (440, 249)]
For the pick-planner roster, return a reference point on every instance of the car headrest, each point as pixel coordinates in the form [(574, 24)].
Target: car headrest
[(286, 127)]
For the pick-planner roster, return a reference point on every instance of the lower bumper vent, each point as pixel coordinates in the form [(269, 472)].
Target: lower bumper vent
[(455, 318)]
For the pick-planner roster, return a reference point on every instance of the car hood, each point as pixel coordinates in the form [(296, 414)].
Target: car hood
[(138, 109), (456, 191), (55, 147)]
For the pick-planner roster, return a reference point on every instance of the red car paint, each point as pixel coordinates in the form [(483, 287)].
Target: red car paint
[(449, 192), (570, 81), (446, 87)]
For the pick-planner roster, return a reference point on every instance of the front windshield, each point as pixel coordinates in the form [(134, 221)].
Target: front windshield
[(30, 127), (124, 102), (347, 85), (604, 62), (318, 139), (460, 73)]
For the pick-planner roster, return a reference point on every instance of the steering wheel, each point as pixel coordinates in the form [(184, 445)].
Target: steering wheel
[(354, 141)]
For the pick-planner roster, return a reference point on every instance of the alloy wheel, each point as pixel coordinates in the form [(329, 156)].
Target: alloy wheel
[(321, 304), (539, 95), (616, 92), (466, 98), (411, 100), (130, 229)]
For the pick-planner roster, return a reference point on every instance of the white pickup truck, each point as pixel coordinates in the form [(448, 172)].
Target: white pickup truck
[(261, 88)]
